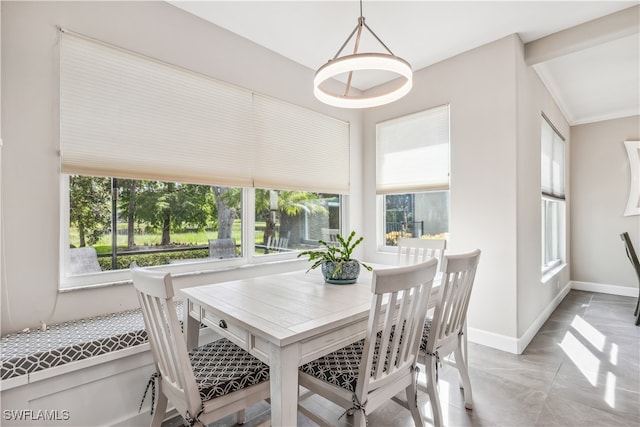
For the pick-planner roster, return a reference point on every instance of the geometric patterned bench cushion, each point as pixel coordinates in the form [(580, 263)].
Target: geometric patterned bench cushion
[(222, 367), (23, 353)]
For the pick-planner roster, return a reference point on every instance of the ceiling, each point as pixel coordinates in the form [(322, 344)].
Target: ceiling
[(591, 68)]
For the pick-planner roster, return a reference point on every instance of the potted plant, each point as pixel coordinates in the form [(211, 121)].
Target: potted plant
[(335, 258)]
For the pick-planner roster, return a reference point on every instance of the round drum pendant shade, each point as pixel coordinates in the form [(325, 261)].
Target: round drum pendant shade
[(363, 62)]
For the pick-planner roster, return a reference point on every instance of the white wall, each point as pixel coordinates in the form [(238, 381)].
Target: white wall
[(30, 163), (599, 192)]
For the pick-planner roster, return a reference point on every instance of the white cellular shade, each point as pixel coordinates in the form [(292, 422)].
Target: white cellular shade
[(552, 161), (125, 115), (413, 152), (299, 149), (129, 116)]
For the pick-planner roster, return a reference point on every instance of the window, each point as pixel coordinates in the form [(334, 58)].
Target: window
[(158, 223), (553, 195), (292, 220), (412, 176), (163, 165)]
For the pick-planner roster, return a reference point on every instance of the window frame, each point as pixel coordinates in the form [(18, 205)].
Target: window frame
[(116, 277), (410, 188), (553, 203)]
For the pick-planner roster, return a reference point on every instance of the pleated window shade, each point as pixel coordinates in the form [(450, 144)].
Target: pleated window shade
[(413, 152), (307, 150), (552, 161), (129, 116)]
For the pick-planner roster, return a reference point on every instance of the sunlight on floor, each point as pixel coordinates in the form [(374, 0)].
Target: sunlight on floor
[(613, 354), (610, 390), (581, 357), (589, 332), (584, 358)]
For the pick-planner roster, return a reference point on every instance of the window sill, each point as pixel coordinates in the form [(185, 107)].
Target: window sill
[(275, 263), (548, 275)]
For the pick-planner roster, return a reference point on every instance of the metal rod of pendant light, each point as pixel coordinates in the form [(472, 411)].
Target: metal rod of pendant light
[(355, 50), (362, 61)]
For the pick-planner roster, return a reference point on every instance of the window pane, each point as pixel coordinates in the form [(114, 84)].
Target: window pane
[(424, 215), (293, 220), (156, 222), (551, 217), (552, 185)]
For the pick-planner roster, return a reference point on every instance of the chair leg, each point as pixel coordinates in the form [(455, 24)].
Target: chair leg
[(160, 410), (241, 416), (412, 403), (463, 373), (359, 419), (430, 366)]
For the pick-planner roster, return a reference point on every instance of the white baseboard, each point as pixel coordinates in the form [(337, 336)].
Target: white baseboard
[(533, 329), (517, 345), (493, 340), (604, 288)]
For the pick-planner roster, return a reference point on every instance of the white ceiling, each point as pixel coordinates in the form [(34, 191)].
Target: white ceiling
[(593, 80)]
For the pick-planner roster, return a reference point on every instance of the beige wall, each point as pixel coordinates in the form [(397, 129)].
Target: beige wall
[(496, 103), (535, 295), (480, 87), (30, 163), (599, 192)]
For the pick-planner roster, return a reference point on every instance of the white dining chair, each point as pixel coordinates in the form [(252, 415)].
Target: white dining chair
[(205, 384), (278, 244), (412, 250), (329, 234), (222, 248), (443, 334), (362, 376)]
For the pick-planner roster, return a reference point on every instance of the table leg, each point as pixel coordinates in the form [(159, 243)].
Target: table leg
[(283, 372), (191, 328)]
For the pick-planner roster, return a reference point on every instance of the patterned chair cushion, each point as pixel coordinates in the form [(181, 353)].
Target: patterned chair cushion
[(340, 368), (222, 367), (425, 334)]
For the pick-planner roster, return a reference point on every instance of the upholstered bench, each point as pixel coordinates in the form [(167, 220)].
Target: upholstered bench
[(23, 353)]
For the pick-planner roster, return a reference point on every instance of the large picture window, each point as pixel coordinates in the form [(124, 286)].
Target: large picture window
[(412, 176), (165, 166), (553, 195), (115, 221)]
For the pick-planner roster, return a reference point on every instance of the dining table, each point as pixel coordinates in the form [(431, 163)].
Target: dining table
[(285, 320)]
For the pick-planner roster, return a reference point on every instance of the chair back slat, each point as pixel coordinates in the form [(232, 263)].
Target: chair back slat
[(155, 295), (396, 318), (455, 292), (413, 250), (277, 243)]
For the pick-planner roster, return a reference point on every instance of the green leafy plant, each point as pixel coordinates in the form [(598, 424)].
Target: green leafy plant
[(338, 252)]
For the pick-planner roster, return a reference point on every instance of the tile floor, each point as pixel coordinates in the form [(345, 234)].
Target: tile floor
[(582, 369)]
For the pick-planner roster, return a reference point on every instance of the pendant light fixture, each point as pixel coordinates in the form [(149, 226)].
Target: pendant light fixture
[(386, 62)]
